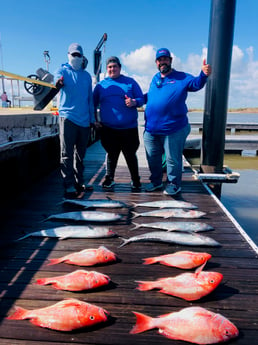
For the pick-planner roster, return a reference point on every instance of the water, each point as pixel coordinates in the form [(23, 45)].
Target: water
[(231, 117), (241, 198)]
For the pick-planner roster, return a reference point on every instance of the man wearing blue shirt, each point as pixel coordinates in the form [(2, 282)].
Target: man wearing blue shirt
[(76, 113), (166, 121), (117, 97)]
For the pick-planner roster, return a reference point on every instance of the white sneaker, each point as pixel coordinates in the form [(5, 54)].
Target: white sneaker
[(172, 189)]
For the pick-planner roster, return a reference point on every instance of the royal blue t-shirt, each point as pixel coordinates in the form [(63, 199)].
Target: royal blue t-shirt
[(109, 95)]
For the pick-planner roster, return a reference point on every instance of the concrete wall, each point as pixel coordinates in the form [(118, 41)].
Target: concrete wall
[(29, 149), (17, 126)]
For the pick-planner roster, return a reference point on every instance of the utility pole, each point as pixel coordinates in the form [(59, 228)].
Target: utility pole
[(47, 58), (2, 62)]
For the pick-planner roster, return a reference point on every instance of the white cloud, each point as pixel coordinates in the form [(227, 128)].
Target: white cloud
[(141, 60), (140, 65), (243, 90)]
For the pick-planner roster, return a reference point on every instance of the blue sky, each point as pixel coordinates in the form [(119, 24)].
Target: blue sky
[(135, 30)]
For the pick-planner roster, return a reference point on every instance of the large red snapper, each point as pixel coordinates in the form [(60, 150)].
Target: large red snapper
[(194, 324), (182, 259), (189, 286), (65, 315), (87, 257), (76, 281)]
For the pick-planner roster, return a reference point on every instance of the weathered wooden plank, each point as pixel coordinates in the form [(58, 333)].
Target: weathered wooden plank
[(23, 262)]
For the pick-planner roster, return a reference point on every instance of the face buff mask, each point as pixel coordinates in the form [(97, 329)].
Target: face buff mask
[(75, 62)]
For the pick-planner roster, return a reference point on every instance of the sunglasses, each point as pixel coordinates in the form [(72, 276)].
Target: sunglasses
[(76, 54)]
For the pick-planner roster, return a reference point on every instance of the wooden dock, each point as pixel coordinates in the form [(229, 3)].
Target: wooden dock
[(23, 262)]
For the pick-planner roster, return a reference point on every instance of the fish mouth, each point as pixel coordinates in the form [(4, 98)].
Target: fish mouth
[(104, 314)]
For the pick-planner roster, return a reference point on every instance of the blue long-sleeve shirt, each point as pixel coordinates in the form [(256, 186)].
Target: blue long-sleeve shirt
[(166, 110), (109, 95), (76, 98)]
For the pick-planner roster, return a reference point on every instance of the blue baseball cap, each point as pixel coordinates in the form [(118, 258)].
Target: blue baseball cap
[(162, 52)]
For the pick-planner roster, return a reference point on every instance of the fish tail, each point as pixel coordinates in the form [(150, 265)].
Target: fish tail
[(143, 323), (22, 238), (41, 281), (124, 243), (136, 226), (54, 261), (135, 214), (144, 286), (19, 314), (149, 261)]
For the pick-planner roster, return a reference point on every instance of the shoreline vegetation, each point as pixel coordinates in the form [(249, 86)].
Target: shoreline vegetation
[(141, 109), (231, 110)]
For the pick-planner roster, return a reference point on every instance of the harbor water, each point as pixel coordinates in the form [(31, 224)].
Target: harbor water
[(241, 198)]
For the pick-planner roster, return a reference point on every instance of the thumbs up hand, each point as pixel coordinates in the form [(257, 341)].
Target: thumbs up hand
[(206, 68), (130, 102)]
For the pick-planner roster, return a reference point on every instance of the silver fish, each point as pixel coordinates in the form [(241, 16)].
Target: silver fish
[(167, 204), (169, 212), (64, 232), (186, 239), (104, 203), (176, 226), (89, 216)]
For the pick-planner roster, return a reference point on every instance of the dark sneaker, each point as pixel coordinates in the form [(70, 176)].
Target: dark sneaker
[(84, 188), (150, 187), (71, 193), (136, 186), (172, 189), (108, 182)]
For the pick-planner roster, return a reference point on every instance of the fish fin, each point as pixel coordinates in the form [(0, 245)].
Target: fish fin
[(125, 242), (143, 323), (67, 235), (144, 285), (19, 314), (46, 219), (149, 261), (41, 281), (64, 237), (199, 269), (135, 214), (136, 226), (54, 261), (22, 238)]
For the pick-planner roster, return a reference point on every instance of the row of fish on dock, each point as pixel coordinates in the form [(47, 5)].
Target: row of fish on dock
[(193, 324), (167, 209)]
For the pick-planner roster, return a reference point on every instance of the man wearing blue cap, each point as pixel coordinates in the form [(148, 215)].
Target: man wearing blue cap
[(76, 113), (166, 121)]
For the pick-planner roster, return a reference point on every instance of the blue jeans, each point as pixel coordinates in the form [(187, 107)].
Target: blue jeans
[(173, 146), (73, 140)]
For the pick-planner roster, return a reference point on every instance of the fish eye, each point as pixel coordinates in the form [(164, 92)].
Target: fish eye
[(92, 317), (106, 257), (212, 281)]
